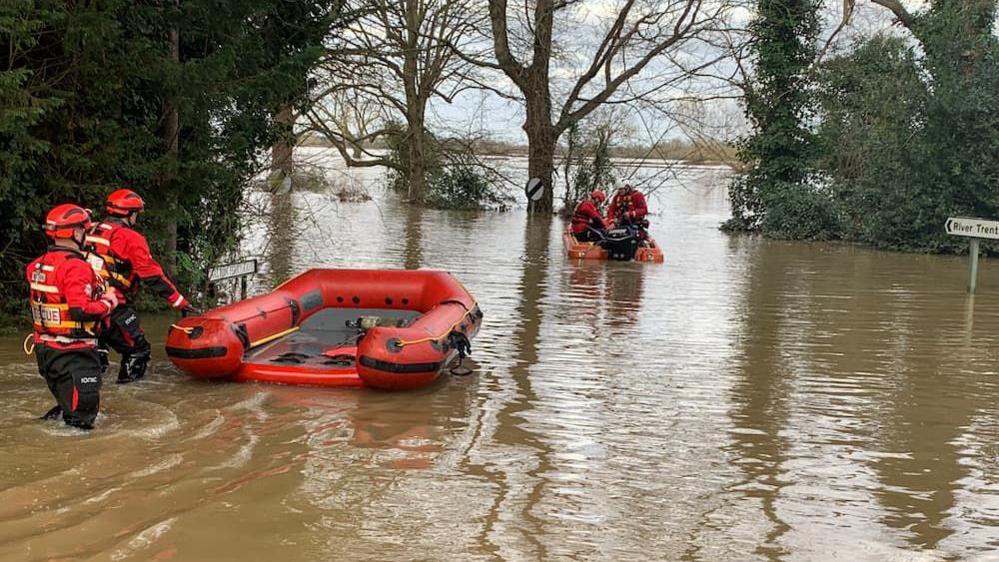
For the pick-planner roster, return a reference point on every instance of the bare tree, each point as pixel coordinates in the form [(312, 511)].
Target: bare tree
[(395, 57), (634, 40)]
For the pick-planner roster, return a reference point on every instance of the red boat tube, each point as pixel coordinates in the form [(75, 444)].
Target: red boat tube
[(390, 329)]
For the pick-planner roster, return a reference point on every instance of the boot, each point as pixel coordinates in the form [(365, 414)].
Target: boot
[(52, 414), (133, 367)]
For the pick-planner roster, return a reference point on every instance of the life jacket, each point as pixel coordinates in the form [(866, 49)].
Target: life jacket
[(580, 220), (622, 203), (49, 309), (114, 271)]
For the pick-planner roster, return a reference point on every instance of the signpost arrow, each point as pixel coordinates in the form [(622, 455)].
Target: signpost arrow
[(976, 229)]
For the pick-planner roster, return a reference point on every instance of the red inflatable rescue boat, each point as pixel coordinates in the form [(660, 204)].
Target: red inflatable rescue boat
[(391, 329), (646, 250)]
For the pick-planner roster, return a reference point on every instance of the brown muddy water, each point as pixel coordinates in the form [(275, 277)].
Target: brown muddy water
[(747, 400)]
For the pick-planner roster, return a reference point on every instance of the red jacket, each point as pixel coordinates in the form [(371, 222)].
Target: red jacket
[(65, 301), (127, 261), (586, 215), (630, 206)]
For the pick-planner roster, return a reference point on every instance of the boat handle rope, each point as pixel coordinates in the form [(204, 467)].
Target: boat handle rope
[(182, 329), (403, 343), (28, 350)]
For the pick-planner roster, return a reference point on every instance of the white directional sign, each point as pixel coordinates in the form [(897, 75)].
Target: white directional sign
[(973, 228), (232, 270)]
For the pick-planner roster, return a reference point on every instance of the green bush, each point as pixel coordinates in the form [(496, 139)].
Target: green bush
[(462, 183), (904, 147)]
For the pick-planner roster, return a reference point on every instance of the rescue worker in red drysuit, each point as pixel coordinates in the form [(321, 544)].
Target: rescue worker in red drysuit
[(587, 222), (628, 206), (66, 304), (127, 262)]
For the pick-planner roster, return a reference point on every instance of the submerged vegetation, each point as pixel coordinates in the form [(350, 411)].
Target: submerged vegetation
[(880, 143)]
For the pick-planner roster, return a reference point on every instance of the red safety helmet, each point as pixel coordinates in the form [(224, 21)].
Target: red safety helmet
[(599, 195), (124, 202), (63, 219)]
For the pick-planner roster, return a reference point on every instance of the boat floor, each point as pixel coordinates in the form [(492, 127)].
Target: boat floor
[(325, 340)]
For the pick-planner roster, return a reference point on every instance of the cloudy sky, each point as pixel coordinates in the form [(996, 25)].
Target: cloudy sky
[(578, 33)]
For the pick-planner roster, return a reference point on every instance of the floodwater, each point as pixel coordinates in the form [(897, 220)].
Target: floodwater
[(746, 400)]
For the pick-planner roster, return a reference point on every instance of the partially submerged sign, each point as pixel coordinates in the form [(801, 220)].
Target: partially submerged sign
[(231, 270), (973, 228)]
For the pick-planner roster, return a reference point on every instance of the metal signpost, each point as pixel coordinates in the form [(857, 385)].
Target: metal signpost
[(241, 269), (976, 229)]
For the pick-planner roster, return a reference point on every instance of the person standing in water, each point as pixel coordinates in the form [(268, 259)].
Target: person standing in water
[(127, 262), (66, 304)]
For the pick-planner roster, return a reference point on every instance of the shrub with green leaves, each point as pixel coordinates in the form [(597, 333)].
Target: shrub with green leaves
[(462, 183)]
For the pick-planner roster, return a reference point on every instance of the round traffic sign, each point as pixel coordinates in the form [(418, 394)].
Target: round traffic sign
[(534, 189)]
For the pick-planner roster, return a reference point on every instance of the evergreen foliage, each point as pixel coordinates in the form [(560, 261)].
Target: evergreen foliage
[(86, 90), (778, 193), (880, 144)]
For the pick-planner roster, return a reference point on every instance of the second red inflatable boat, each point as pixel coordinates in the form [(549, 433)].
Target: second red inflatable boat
[(391, 329)]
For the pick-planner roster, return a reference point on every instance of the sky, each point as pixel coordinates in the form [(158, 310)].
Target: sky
[(485, 111)]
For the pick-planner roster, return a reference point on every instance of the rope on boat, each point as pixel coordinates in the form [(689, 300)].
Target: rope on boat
[(28, 349), (468, 312), (273, 337)]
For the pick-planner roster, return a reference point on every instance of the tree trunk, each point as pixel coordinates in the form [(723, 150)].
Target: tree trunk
[(416, 105), (415, 162), (282, 152), (541, 139), (168, 181)]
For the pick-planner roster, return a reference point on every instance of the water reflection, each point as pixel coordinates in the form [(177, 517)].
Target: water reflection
[(519, 478), (413, 236), (759, 396)]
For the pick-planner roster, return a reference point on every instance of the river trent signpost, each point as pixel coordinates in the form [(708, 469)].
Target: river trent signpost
[(976, 229)]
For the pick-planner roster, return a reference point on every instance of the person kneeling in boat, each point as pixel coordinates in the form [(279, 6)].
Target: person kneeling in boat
[(127, 261), (628, 208), (587, 223), (66, 305)]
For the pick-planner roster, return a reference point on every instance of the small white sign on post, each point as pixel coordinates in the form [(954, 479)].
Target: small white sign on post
[(973, 228), (976, 229), (231, 270), (241, 269)]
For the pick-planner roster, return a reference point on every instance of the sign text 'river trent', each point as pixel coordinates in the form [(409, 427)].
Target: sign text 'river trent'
[(975, 228)]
